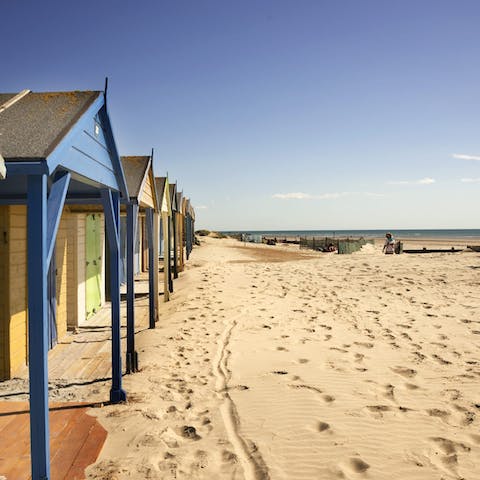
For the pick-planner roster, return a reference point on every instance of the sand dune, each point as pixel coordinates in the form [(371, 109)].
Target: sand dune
[(272, 363)]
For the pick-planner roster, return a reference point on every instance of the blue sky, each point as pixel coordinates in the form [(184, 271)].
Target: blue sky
[(277, 114)]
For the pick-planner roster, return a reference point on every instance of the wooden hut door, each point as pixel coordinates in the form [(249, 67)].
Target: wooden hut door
[(93, 258), (52, 302)]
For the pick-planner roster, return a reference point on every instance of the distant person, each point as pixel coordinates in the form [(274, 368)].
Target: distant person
[(389, 245), (331, 248)]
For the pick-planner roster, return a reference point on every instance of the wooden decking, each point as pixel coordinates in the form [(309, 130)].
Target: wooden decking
[(76, 439)]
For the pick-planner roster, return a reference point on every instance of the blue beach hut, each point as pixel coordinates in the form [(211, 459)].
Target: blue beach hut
[(58, 149), (141, 205), (180, 227)]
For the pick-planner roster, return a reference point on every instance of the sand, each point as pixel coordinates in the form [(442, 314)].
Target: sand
[(275, 363)]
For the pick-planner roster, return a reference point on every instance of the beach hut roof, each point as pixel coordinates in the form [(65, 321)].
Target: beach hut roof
[(163, 196), (173, 195), (59, 131), (32, 126), (140, 180), (179, 201), (160, 185), (135, 169)]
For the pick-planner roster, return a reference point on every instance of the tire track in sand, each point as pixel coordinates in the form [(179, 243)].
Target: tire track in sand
[(254, 467)]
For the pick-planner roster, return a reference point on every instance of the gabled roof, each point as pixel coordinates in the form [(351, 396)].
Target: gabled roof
[(172, 187), (135, 169), (33, 126), (179, 201), (160, 186)]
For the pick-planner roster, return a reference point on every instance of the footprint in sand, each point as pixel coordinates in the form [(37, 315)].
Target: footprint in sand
[(378, 408), (437, 412), (389, 392), (328, 398), (411, 386), (323, 426), (364, 344), (357, 465), (359, 357), (445, 452), (467, 417), (441, 360), (404, 371)]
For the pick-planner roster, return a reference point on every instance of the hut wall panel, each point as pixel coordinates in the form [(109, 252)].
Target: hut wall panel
[(81, 270), (17, 310), (62, 269), (102, 249), (72, 266), (144, 244), (147, 194), (4, 316)]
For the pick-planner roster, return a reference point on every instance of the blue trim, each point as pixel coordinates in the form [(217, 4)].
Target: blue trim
[(175, 246), (26, 168), (110, 220), (13, 200), (151, 268), (111, 206), (169, 243), (38, 325), (55, 203), (132, 225), (117, 164), (83, 200), (80, 152)]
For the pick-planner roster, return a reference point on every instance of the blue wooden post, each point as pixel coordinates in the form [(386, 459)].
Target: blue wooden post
[(187, 236), (112, 220), (175, 246), (169, 241), (151, 269), (38, 325), (132, 223), (188, 219)]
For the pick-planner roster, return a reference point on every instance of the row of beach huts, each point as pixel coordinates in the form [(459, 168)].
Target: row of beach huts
[(77, 221)]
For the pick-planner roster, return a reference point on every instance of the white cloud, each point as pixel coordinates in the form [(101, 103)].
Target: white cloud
[(461, 156), (372, 194), (426, 181), (322, 196), (201, 207), (294, 195), (470, 180), (422, 181)]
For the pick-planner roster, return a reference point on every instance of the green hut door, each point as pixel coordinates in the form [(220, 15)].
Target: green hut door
[(93, 256)]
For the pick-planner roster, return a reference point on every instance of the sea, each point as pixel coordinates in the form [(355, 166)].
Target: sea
[(473, 233)]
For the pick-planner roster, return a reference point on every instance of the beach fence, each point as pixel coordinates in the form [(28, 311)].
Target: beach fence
[(326, 244)]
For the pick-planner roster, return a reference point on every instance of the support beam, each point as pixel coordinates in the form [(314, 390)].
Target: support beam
[(181, 224), (56, 201), (166, 256), (175, 245), (132, 225), (170, 280), (111, 207), (156, 254), (38, 325), (151, 267), (187, 235)]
